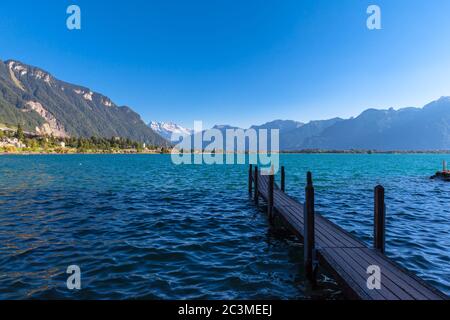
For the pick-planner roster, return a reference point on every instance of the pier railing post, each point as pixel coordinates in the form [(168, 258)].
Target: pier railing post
[(283, 180), (270, 196), (250, 180), (309, 232), (256, 186), (380, 219)]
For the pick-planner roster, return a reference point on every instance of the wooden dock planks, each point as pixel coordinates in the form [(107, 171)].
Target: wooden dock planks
[(347, 257)]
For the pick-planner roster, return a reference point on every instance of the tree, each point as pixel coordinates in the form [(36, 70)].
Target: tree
[(33, 144), (19, 133)]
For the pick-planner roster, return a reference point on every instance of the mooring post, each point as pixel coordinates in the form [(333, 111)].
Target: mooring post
[(380, 219), (256, 185), (309, 234), (283, 179), (250, 180), (270, 196)]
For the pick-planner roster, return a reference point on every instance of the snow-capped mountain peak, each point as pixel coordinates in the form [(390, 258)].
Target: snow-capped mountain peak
[(166, 129)]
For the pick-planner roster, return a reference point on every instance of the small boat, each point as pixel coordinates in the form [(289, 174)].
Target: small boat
[(444, 174)]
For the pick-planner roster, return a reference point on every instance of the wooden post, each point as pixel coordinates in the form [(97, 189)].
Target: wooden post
[(283, 179), (256, 186), (250, 180), (380, 219), (270, 197), (309, 234)]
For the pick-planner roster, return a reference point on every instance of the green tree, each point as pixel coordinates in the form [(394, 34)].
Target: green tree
[(33, 145), (19, 133)]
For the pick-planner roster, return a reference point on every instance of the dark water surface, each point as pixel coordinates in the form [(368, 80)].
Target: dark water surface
[(140, 227)]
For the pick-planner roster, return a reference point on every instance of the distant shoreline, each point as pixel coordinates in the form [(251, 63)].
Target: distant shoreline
[(361, 152)]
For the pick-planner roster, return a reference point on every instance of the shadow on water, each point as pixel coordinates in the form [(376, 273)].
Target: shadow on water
[(279, 236)]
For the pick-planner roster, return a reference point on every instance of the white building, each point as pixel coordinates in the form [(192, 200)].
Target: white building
[(11, 142)]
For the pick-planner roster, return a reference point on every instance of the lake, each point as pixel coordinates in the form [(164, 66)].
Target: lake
[(140, 227)]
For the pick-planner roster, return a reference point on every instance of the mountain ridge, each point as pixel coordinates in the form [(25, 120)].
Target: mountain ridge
[(404, 129), (46, 105), (41, 103), (426, 128)]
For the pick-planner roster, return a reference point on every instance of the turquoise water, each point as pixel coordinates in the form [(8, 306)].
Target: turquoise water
[(140, 227)]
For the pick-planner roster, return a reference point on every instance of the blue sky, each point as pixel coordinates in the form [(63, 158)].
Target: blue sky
[(239, 62)]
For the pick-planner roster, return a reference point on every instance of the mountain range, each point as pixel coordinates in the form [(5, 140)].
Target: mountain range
[(166, 129), (407, 129), (45, 105), (426, 128)]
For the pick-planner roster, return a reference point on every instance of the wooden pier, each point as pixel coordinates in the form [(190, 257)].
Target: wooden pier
[(354, 266)]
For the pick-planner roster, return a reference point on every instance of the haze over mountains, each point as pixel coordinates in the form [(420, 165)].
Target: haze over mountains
[(408, 129), (426, 128), (45, 105)]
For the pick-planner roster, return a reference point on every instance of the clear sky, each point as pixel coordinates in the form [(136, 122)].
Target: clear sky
[(239, 62)]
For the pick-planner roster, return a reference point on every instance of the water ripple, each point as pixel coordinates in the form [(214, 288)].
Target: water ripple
[(139, 228), (142, 228)]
